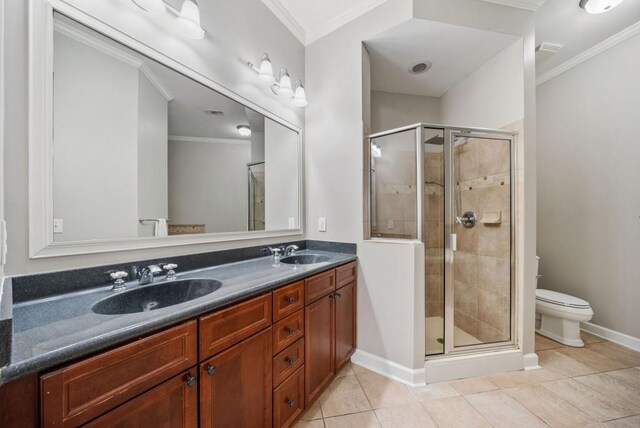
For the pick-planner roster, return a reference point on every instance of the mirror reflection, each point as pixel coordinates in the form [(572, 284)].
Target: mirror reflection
[(141, 150)]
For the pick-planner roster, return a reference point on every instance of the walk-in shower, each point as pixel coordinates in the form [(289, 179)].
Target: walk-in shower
[(453, 189), (256, 192)]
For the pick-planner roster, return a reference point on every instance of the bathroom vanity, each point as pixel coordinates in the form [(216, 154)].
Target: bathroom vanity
[(264, 353)]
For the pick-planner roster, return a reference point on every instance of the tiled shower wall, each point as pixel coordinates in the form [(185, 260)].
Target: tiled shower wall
[(434, 223)]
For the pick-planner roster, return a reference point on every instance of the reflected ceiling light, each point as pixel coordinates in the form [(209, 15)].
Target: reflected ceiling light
[(376, 151), (300, 97), (281, 85), (244, 130), (599, 6), (190, 20), (152, 6)]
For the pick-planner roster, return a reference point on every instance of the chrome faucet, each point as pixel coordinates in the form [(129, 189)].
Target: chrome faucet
[(290, 250), (147, 273)]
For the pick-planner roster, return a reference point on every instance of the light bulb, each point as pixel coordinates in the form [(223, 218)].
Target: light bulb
[(300, 97), (152, 6), (285, 83), (244, 130), (598, 6), (266, 69), (190, 20)]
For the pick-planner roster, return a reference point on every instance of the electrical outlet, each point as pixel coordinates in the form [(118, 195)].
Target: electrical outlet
[(58, 226), (322, 224), (3, 242), (292, 223)]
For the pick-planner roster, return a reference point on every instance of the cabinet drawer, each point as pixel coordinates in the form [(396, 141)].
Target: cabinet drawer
[(346, 274), (319, 285), (287, 331), (288, 400), (287, 362), (78, 393), (173, 404), (287, 300), (227, 327)]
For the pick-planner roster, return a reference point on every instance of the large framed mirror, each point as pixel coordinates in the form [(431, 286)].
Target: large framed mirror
[(128, 152)]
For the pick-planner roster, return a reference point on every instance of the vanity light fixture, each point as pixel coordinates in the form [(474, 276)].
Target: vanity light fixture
[(244, 130), (598, 6), (188, 15), (281, 85)]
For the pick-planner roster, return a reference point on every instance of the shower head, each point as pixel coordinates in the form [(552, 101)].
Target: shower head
[(436, 140)]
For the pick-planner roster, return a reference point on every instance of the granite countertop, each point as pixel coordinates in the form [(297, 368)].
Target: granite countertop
[(55, 330)]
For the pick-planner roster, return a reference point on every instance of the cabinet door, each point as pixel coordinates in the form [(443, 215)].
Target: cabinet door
[(174, 404), (345, 323), (236, 385), (319, 354)]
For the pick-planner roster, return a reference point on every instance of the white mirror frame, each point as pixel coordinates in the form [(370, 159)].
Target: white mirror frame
[(41, 243)]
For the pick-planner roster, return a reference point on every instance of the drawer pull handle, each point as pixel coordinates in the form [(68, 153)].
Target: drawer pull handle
[(211, 369), (190, 380), (290, 360), (290, 330), (291, 299), (291, 403), (338, 294)]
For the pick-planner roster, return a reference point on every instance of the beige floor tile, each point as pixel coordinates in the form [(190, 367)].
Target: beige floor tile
[(318, 423), (590, 338), (632, 422), (454, 412), (591, 402), (616, 352), (543, 343), (436, 391), (359, 369), (359, 420), (620, 392), (546, 405), (628, 376), (593, 359), (552, 359), (503, 411), (312, 413), (384, 392), (344, 396), (473, 385), (525, 377), (410, 416), (346, 370)]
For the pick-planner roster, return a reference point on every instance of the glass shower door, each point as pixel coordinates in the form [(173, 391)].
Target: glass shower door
[(480, 281)]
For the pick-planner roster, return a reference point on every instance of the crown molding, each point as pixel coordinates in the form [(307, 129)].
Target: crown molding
[(586, 55), (340, 20), (187, 139), (287, 19), (112, 51), (532, 5)]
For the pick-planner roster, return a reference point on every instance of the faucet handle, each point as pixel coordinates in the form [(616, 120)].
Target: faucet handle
[(171, 273), (118, 276)]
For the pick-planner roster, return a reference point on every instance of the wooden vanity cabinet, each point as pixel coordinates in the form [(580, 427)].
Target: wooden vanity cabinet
[(345, 302), (319, 354)]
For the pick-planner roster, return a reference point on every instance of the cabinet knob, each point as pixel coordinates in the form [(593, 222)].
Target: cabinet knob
[(211, 369), (290, 330), (338, 294), (291, 299), (291, 403), (290, 360), (190, 380)]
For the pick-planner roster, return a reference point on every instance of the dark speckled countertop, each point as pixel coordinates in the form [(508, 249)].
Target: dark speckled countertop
[(55, 330)]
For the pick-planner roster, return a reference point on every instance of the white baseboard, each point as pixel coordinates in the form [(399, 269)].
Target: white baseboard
[(531, 361), (612, 335), (395, 371), (466, 366)]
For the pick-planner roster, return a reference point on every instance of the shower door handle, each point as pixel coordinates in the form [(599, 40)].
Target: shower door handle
[(454, 242)]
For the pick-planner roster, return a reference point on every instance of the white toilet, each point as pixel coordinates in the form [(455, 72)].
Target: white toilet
[(558, 316)]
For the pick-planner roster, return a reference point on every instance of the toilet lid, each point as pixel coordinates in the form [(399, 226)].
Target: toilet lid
[(560, 299)]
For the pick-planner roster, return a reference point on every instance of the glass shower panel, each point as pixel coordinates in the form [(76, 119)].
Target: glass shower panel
[(481, 288), (256, 220), (434, 203), (393, 186)]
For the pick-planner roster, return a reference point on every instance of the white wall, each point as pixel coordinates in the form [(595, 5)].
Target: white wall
[(492, 96), (390, 110), (208, 184), (280, 176), (237, 31), (95, 141), (589, 182), (153, 188)]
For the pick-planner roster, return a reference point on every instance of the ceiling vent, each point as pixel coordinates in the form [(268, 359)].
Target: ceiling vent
[(546, 49), (210, 112), (420, 67)]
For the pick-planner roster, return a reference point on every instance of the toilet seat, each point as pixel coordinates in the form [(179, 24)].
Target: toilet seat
[(560, 299)]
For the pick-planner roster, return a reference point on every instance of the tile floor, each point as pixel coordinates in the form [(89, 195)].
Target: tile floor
[(594, 386)]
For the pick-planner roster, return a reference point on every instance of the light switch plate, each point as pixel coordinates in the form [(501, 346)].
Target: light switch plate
[(58, 226), (322, 224), (3, 242), (292, 223)]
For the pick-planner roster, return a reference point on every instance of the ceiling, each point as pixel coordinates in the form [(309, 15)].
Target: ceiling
[(564, 22), (454, 51)]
